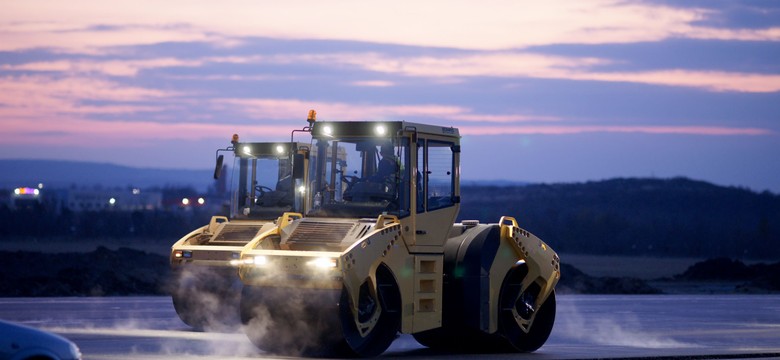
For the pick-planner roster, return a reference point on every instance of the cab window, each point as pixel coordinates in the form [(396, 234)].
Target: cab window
[(435, 162)]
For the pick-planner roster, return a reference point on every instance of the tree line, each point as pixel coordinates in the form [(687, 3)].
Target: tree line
[(43, 222), (642, 217), (646, 217)]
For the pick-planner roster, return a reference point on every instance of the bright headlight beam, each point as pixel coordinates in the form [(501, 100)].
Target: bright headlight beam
[(380, 130), (254, 260), (247, 150), (279, 149), (327, 130), (260, 260), (323, 263)]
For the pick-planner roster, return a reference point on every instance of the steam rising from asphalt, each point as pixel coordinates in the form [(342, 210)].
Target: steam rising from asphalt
[(620, 329), (289, 321), (293, 321), (207, 298), (172, 342), (213, 298)]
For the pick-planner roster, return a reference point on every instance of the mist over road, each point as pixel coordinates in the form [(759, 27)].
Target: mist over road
[(587, 326)]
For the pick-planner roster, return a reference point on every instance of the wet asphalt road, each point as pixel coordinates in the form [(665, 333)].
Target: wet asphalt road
[(587, 326)]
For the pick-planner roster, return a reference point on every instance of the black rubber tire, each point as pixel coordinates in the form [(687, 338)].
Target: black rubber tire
[(293, 322), (209, 304), (513, 336), (188, 312), (386, 330)]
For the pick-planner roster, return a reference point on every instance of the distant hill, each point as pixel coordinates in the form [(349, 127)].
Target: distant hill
[(647, 217), (465, 182), (63, 174), (640, 217)]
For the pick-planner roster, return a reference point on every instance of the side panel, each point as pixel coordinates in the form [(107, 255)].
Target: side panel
[(427, 292), (429, 234)]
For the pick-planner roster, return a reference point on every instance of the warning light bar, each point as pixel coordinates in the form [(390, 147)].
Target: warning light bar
[(27, 191)]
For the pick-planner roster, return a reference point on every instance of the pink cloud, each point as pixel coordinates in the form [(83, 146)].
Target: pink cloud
[(291, 109), (555, 67), (42, 96), (710, 80), (25, 87), (523, 65), (565, 130), (373, 83), (769, 34), (86, 133), (284, 109), (110, 67), (78, 34), (494, 25), (493, 64)]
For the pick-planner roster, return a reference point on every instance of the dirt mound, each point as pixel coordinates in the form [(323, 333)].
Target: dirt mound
[(575, 281), (750, 278), (97, 273)]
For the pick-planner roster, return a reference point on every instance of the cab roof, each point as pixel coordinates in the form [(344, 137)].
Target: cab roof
[(377, 128)]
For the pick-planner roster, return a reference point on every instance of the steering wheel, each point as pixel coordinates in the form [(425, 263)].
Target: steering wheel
[(350, 180), (262, 190)]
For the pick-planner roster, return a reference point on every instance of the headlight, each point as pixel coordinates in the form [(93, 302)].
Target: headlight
[(255, 260), (179, 254), (261, 260), (323, 263)]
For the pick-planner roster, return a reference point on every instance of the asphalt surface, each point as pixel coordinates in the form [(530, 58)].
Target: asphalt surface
[(587, 327)]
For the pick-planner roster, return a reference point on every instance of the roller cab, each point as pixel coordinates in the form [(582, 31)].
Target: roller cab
[(378, 252), (205, 287)]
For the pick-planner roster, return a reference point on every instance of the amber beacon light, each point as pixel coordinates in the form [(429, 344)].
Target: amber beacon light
[(312, 117)]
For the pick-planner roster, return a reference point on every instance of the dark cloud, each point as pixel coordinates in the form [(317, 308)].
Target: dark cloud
[(610, 103), (733, 56), (36, 55), (596, 156)]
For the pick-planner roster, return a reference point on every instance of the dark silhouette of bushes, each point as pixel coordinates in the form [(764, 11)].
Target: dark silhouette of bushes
[(41, 222), (100, 272), (648, 217)]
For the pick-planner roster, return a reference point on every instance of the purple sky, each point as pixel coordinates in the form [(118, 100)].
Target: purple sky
[(560, 91)]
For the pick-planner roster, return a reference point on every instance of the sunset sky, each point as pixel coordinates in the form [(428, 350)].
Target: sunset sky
[(542, 91)]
